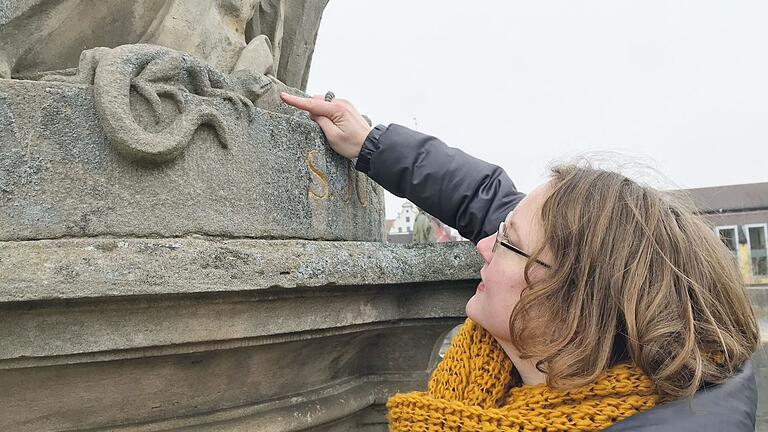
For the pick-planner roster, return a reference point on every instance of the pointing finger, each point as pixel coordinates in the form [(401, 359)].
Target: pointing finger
[(312, 105)]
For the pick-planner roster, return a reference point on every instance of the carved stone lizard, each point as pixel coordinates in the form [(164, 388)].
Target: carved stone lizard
[(151, 71)]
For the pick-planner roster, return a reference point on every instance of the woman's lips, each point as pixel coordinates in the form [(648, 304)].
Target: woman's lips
[(481, 286)]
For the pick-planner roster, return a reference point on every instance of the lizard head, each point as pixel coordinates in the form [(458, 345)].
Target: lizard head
[(251, 85)]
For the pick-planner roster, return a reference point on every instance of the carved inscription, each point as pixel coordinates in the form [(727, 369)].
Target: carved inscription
[(362, 191), (320, 189), (321, 177)]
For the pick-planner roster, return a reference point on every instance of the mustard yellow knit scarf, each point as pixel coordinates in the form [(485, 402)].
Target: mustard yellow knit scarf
[(474, 375)]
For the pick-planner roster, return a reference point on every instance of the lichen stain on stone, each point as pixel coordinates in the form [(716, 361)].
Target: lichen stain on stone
[(225, 258), (107, 246)]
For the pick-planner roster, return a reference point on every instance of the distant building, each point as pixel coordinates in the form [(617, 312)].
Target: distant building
[(400, 229), (739, 216)]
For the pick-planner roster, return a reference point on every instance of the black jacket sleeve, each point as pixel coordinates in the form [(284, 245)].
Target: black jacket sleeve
[(464, 192)]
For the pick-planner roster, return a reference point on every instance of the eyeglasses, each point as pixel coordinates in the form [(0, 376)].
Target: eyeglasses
[(501, 233)]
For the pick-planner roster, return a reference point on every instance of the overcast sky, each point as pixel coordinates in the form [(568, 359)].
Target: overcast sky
[(679, 85)]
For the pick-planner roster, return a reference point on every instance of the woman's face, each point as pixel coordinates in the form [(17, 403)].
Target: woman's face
[(502, 274)]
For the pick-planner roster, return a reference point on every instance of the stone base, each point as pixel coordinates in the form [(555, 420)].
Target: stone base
[(213, 335)]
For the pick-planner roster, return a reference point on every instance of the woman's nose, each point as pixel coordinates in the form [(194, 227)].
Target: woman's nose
[(485, 247)]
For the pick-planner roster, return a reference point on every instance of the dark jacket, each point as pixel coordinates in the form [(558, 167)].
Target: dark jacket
[(474, 197), (466, 193)]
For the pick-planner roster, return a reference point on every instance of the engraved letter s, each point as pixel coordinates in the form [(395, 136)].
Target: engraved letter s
[(323, 177)]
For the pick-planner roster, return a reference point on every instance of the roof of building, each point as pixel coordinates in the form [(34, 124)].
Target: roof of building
[(722, 199)]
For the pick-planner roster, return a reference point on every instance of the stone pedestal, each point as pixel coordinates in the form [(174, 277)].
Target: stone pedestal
[(220, 335), (230, 289)]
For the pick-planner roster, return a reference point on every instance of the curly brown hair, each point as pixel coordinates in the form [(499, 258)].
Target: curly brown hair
[(637, 277)]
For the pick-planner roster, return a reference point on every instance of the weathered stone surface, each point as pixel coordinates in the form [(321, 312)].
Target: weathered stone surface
[(44, 35), (60, 177), (220, 335), (292, 27), (41, 35), (299, 384), (257, 56), (210, 30)]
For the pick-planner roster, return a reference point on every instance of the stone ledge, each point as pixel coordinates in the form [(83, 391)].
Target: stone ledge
[(289, 385), (68, 269)]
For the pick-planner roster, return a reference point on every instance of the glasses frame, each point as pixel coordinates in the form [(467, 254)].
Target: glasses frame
[(501, 232)]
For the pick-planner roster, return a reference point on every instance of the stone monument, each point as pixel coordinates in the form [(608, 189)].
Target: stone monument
[(422, 228), (181, 251)]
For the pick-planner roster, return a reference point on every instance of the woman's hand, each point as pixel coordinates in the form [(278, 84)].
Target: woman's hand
[(344, 127)]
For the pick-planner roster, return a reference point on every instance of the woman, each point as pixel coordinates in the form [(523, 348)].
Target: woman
[(604, 305)]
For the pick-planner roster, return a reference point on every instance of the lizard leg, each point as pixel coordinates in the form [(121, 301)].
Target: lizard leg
[(222, 87), (154, 80), (212, 83), (202, 81), (175, 92), (151, 92), (215, 119), (240, 102)]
